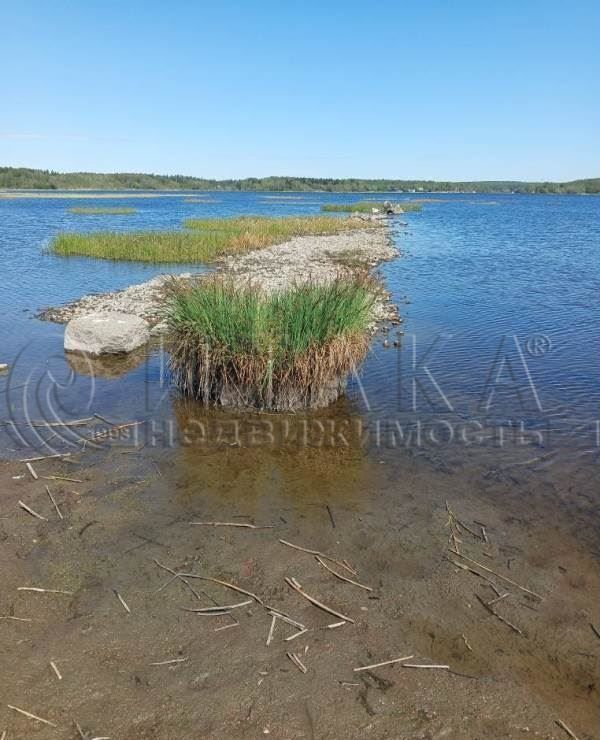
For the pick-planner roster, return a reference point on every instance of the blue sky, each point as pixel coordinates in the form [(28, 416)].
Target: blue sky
[(468, 89)]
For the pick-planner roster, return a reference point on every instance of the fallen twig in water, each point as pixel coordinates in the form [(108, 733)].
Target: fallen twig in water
[(76, 423), (232, 586), (286, 618), (296, 634), (499, 616), (170, 662), (271, 630), (498, 575), (595, 630), (217, 609), (467, 643), (379, 665), (334, 625), (29, 510), (341, 577), (31, 716), (297, 662), (45, 457), (244, 525), (423, 665), (44, 590), (61, 477), (341, 563), (293, 583), (123, 602), (58, 511), (32, 472), (16, 619), (227, 626), (55, 669), (568, 730)]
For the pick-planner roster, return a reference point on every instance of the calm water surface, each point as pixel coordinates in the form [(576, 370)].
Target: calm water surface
[(499, 296)]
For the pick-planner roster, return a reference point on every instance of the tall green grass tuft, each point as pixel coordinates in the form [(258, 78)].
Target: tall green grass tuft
[(367, 206), (97, 211), (204, 241), (286, 350)]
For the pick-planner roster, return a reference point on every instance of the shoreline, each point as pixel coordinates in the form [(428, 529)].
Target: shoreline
[(318, 258)]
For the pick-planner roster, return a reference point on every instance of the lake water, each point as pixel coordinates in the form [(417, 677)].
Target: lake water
[(499, 296)]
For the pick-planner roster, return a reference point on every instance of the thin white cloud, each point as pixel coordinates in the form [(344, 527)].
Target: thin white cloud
[(24, 136)]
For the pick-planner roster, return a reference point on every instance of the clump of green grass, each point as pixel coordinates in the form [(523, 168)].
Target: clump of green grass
[(281, 351), (206, 239), (84, 211), (367, 206)]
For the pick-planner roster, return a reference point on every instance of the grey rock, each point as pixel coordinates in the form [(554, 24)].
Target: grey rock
[(106, 333)]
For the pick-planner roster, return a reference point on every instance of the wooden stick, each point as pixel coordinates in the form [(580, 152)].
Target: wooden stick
[(297, 662), (341, 577), (232, 586), (419, 665), (29, 510), (285, 618), (498, 575), (45, 457), (213, 609), (234, 524), (227, 626), (385, 662), (16, 619), (568, 730), (170, 662), (44, 590), (271, 630), (58, 511), (31, 716), (61, 477), (293, 583), (498, 616), (123, 602), (595, 630), (76, 423), (316, 552), (296, 634), (32, 472), (55, 669), (335, 625)]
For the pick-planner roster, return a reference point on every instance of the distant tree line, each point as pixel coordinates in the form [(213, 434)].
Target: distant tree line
[(21, 178)]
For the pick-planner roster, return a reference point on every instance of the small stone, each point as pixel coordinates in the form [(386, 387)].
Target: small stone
[(106, 333), (3, 367)]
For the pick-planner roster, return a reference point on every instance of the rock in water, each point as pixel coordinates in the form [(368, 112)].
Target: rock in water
[(109, 333)]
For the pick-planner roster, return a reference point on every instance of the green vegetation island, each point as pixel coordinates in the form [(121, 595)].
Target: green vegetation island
[(22, 178)]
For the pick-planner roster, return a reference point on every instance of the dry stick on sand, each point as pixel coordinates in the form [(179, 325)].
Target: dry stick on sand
[(286, 618), (498, 575), (58, 511), (499, 616), (379, 665), (16, 619), (32, 472), (296, 634), (568, 730), (341, 577), (244, 525), (339, 563), (293, 583), (31, 716), (29, 510)]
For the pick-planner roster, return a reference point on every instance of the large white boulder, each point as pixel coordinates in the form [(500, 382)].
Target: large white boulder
[(107, 333)]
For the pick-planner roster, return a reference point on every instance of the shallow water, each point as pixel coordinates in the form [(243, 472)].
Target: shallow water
[(502, 425), (498, 294)]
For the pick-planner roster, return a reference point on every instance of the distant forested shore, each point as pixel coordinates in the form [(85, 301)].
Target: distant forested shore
[(22, 178)]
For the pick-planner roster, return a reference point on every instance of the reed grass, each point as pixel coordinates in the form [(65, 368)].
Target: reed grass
[(285, 350), (367, 206), (96, 211), (204, 241)]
